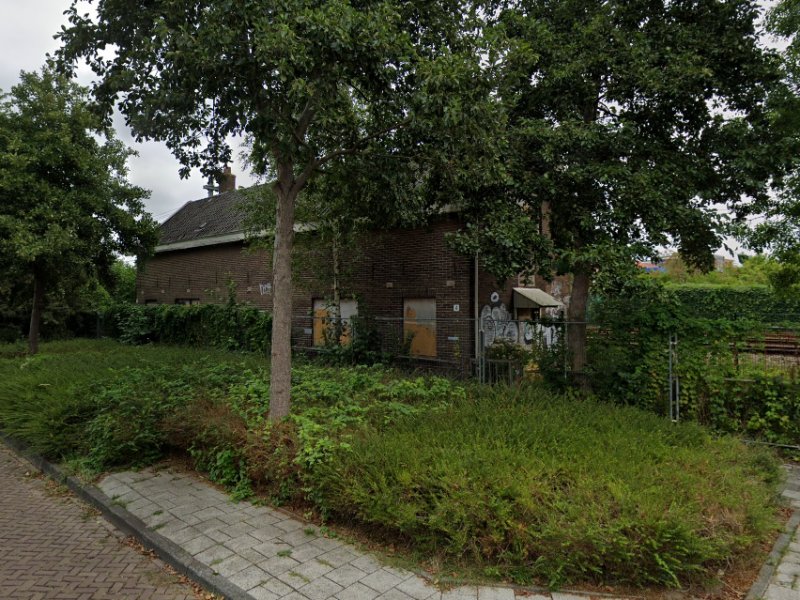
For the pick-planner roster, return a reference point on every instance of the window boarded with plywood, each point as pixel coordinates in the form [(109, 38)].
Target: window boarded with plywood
[(326, 322), (419, 326)]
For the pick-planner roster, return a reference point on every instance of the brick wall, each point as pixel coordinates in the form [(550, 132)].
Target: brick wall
[(385, 269)]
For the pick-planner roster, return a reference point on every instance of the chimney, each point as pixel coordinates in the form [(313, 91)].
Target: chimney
[(227, 181)]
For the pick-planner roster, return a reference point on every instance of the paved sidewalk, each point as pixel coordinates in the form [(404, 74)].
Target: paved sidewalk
[(785, 583), (53, 546), (273, 556), (267, 553)]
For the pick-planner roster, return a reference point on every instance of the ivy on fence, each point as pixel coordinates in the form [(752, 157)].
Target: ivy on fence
[(717, 330)]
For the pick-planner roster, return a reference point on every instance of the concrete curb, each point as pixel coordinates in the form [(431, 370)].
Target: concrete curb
[(166, 550), (759, 588)]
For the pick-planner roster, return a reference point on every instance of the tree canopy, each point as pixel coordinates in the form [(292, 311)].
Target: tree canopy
[(66, 208), (308, 83), (779, 230), (630, 123)]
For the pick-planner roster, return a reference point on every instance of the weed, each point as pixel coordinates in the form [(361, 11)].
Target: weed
[(299, 576)]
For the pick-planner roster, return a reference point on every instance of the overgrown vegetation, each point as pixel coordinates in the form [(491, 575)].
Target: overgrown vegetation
[(727, 379), (509, 481), (515, 481), (230, 326)]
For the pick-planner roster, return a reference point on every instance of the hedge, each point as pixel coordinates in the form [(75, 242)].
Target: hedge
[(754, 303), (229, 326)]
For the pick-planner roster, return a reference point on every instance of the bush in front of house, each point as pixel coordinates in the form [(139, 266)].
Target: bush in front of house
[(229, 326)]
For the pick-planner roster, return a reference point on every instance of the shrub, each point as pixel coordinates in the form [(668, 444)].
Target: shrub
[(539, 488), (629, 358), (132, 409), (231, 326)]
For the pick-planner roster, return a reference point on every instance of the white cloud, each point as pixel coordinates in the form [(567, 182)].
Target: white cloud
[(26, 37)]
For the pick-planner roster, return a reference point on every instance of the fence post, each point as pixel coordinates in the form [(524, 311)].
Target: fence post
[(482, 356), (674, 380), (565, 347)]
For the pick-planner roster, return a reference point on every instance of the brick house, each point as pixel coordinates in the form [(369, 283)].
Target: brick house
[(412, 287)]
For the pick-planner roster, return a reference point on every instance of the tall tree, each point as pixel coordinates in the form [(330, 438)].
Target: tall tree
[(66, 208), (779, 230), (307, 82), (631, 123)]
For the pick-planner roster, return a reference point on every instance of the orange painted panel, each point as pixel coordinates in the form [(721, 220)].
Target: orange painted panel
[(419, 324)]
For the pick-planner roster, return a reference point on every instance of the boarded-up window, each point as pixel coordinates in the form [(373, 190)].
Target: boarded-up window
[(419, 326), (326, 323)]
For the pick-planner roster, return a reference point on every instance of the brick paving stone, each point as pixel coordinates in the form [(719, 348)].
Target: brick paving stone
[(278, 565), (776, 592), (232, 565), (320, 589), (785, 582), (382, 580), (309, 551), (339, 556), (461, 593), (495, 593), (298, 537), (394, 594), (260, 593), (277, 587), (250, 577), (265, 532), (199, 544), (266, 552), (272, 547), (54, 546), (312, 569), (346, 575), (357, 591), (417, 588), (789, 568), (215, 554)]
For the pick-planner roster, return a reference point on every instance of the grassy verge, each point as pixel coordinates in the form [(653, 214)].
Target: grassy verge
[(521, 484)]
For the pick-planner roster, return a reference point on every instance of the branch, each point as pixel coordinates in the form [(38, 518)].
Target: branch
[(355, 148), (303, 122)]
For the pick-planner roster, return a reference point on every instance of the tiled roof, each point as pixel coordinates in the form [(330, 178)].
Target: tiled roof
[(208, 217)]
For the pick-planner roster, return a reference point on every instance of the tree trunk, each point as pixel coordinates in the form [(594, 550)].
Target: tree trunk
[(36, 314), (576, 317), (281, 366)]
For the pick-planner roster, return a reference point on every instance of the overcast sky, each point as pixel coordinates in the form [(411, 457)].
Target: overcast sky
[(26, 36)]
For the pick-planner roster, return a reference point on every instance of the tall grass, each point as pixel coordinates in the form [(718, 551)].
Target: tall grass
[(535, 486), (48, 400)]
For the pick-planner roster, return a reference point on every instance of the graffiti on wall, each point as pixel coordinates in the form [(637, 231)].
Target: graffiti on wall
[(498, 324)]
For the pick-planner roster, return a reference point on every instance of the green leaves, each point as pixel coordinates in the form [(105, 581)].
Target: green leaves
[(66, 208), (629, 126)]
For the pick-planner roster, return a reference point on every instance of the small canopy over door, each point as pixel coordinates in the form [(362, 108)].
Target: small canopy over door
[(534, 298)]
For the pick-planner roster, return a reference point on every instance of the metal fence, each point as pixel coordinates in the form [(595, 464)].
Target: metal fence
[(651, 368)]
